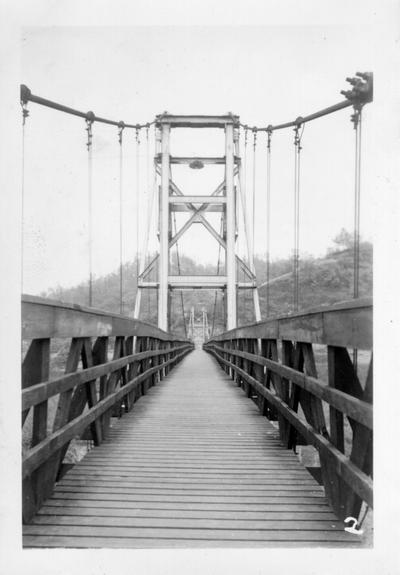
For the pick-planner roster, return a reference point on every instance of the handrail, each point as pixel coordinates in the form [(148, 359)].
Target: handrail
[(347, 324), (43, 317)]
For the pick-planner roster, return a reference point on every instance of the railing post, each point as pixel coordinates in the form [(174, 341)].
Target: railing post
[(35, 369), (342, 376), (257, 370), (129, 398), (100, 355)]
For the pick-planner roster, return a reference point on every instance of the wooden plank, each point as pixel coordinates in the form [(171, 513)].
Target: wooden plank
[(158, 533), (206, 483), (143, 543), (104, 512), (191, 523), (100, 486), (109, 507), (271, 498)]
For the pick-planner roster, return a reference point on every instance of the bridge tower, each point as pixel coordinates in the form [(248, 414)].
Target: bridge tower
[(198, 329), (224, 199)]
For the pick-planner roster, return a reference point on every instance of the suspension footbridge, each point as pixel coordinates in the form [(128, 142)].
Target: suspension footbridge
[(199, 447)]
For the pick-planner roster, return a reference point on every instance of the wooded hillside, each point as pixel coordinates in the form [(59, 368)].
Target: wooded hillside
[(325, 280)]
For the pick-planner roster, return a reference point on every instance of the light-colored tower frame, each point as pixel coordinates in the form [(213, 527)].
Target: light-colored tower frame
[(223, 199)]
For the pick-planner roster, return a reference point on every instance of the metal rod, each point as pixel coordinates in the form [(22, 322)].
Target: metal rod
[(357, 190), (138, 206), (304, 119), (121, 231), (23, 144), (90, 215), (297, 143), (268, 222), (27, 96), (357, 197)]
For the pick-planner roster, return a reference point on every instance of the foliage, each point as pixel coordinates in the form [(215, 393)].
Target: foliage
[(325, 280)]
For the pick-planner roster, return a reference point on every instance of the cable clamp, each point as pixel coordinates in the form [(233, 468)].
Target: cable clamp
[(254, 130), (90, 118), (121, 127), (269, 136)]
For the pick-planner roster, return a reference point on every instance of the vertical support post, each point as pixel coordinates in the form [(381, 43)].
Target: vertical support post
[(35, 369), (164, 231), (230, 230)]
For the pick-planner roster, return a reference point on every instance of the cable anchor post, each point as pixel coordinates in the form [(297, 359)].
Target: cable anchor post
[(362, 93)]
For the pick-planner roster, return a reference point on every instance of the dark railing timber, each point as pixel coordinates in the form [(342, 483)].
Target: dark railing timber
[(274, 361), (86, 397)]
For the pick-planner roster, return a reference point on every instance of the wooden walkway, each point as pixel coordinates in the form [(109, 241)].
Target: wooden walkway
[(194, 464)]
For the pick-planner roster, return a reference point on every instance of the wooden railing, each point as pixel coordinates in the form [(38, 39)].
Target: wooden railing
[(275, 363), (92, 388)]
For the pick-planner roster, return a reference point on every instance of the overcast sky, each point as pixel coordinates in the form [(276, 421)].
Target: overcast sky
[(263, 74)]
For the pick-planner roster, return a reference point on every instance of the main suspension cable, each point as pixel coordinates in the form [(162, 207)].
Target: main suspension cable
[(27, 96)]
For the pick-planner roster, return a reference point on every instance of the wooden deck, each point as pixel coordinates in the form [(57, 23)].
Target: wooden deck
[(194, 464)]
